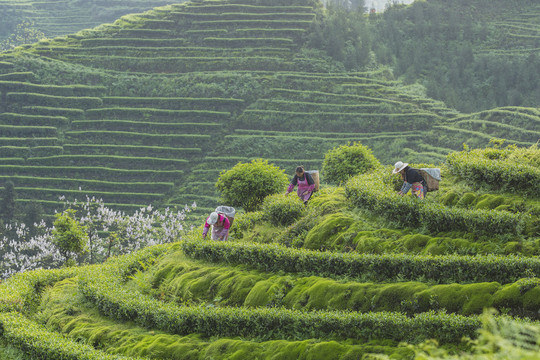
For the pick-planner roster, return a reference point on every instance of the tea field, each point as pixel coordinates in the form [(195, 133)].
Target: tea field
[(361, 271), (150, 108)]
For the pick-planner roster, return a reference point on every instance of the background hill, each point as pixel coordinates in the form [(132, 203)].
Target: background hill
[(61, 17), (151, 108), (473, 55)]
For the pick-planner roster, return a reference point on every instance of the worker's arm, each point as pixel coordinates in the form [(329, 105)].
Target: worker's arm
[(405, 188), (206, 228), (293, 183)]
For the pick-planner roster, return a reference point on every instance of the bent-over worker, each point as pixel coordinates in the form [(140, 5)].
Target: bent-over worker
[(220, 226), (411, 180)]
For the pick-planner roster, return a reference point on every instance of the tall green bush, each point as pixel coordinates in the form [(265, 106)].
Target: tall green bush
[(510, 169), (283, 210), (345, 161), (69, 235), (247, 184)]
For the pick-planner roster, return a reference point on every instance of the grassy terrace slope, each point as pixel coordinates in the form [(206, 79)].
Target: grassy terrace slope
[(174, 95), (61, 17), (361, 270)]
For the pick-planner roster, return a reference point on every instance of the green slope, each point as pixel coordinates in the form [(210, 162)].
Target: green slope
[(179, 93), (361, 272), (61, 17)]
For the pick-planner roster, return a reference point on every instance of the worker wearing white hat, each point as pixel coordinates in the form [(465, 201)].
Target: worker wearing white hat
[(411, 180), (220, 226)]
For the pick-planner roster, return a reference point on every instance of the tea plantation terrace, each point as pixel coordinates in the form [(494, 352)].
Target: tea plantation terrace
[(61, 17), (176, 94)]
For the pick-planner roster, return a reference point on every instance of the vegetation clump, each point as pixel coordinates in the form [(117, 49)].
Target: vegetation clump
[(283, 210), (247, 184), (346, 161)]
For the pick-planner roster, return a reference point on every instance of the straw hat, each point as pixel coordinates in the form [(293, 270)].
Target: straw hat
[(399, 166), (213, 218)]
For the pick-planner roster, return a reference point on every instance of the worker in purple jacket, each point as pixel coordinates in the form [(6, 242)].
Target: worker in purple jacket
[(305, 183)]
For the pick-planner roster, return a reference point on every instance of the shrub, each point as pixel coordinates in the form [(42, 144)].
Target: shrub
[(345, 161), (283, 210), (508, 169), (375, 192), (247, 184), (442, 269), (68, 234)]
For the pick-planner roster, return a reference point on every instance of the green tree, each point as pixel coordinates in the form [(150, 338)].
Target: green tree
[(9, 206), (247, 184), (25, 33), (342, 33), (33, 213), (69, 235), (345, 161)]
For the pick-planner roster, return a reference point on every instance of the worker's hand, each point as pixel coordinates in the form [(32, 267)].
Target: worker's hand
[(204, 236), (401, 193), (286, 194)]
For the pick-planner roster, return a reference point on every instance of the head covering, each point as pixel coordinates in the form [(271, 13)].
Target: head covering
[(213, 218), (399, 166)]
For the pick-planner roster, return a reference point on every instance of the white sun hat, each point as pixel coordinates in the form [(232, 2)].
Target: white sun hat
[(399, 166), (212, 219)]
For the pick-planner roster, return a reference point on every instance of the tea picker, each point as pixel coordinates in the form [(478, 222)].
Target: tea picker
[(419, 180), (306, 183), (221, 220)]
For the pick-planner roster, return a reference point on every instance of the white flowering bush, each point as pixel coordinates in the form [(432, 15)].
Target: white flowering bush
[(110, 232)]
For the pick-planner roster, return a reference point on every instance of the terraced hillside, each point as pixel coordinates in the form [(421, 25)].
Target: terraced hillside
[(359, 271), (151, 108), (472, 55), (61, 17)]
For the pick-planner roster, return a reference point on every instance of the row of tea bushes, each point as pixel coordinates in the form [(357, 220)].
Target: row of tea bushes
[(106, 291), (39, 343), (441, 269), (183, 281), (92, 173), (85, 325), (377, 192), (498, 169)]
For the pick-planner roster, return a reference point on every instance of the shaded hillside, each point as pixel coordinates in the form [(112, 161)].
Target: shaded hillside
[(151, 108), (473, 55), (61, 17)]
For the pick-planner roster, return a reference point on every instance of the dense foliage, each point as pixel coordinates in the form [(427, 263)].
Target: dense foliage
[(247, 184), (472, 55), (346, 161), (282, 210)]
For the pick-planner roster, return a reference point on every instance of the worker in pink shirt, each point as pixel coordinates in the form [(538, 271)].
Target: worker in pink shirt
[(305, 183), (220, 226)]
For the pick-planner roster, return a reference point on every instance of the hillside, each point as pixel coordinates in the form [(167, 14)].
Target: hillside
[(472, 55), (151, 108), (359, 271), (61, 17)]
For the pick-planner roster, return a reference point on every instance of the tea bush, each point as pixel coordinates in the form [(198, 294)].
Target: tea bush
[(283, 210), (500, 169), (247, 184), (441, 269), (377, 192), (346, 161)]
